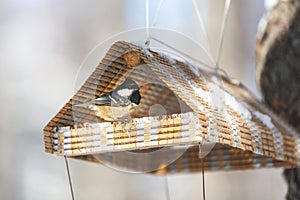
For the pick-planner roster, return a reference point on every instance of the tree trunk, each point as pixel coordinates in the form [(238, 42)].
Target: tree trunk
[(278, 72)]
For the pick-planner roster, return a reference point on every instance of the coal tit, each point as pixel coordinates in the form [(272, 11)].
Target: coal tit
[(117, 104)]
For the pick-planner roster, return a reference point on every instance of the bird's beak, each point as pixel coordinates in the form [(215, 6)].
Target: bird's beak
[(132, 106)]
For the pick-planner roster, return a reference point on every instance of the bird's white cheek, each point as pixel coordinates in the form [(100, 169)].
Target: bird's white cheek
[(125, 92)]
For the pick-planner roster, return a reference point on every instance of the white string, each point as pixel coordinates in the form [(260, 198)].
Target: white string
[(157, 13), (203, 28), (222, 33), (167, 188), (216, 64), (148, 39), (147, 22), (184, 54), (202, 166), (219, 70), (69, 177)]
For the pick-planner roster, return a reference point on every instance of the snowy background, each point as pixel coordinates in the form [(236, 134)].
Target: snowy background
[(42, 45)]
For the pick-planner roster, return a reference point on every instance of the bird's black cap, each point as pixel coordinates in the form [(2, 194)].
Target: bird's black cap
[(129, 84)]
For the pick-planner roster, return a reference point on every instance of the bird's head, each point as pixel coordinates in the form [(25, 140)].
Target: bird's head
[(129, 89)]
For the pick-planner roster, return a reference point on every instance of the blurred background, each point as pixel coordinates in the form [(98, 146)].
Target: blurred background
[(42, 45)]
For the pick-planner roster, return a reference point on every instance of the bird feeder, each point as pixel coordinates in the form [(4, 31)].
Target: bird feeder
[(195, 107)]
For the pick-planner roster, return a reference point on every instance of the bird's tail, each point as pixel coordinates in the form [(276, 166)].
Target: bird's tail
[(84, 105)]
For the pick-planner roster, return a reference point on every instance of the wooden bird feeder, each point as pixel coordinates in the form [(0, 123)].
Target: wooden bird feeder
[(246, 133)]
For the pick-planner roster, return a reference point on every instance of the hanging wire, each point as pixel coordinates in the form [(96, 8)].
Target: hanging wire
[(147, 22), (69, 177), (148, 38), (203, 28), (203, 180), (157, 13), (202, 166), (167, 188), (213, 68), (216, 67), (221, 38), (222, 33), (184, 54)]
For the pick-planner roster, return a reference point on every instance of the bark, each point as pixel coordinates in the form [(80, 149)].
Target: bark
[(278, 72)]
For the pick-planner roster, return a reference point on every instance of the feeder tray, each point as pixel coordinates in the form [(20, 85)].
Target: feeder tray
[(248, 134)]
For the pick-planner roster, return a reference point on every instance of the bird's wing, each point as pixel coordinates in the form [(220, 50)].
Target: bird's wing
[(107, 100)]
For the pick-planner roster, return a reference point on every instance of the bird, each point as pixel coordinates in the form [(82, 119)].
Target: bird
[(117, 104), (278, 71)]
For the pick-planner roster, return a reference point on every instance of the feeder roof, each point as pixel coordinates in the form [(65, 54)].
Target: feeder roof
[(200, 107)]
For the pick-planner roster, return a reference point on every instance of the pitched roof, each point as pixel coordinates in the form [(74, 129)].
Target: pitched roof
[(248, 135)]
